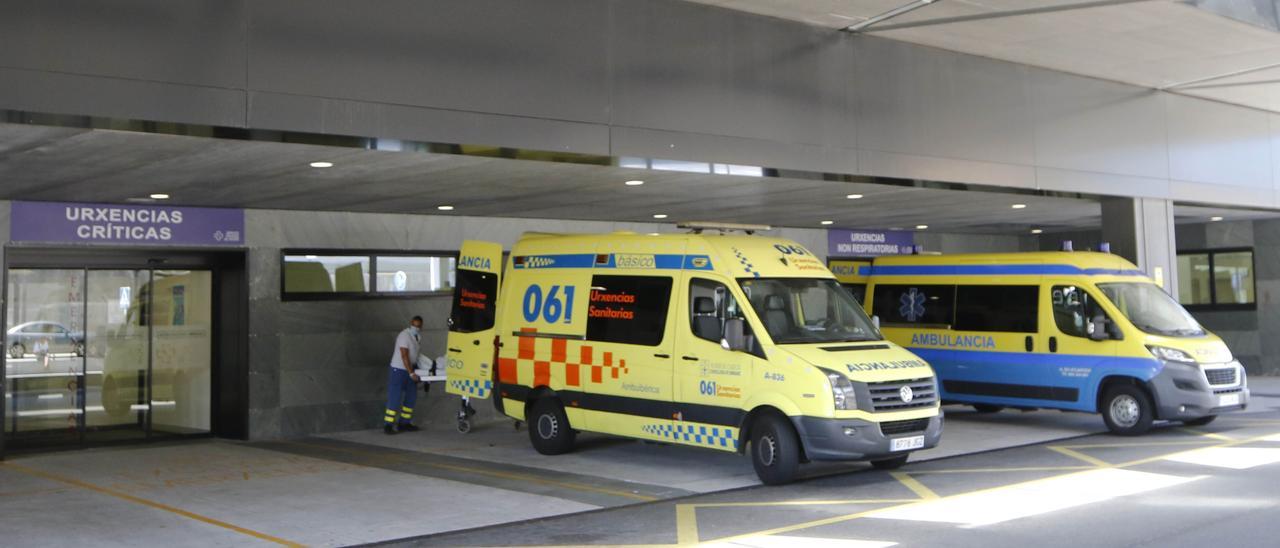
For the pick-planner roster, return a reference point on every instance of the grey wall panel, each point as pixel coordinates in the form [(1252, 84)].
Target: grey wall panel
[(1217, 143), (1251, 195), (1275, 150), (542, 59), (120, 98), (693, 68), (342, 117), (672, 145), (917, 100), (1098, 126), (913, 166), (197, 42), (1092, 182)]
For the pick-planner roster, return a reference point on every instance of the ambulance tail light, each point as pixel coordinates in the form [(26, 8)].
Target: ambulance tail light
[(841, 391)]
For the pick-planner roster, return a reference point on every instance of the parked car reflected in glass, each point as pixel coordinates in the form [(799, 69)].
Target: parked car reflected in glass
[(45, 336)]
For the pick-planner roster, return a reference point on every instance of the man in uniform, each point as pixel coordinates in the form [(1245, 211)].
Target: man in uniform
[(402, 388)]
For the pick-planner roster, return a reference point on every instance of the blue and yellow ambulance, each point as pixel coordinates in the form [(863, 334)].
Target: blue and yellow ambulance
[(1075, 331)]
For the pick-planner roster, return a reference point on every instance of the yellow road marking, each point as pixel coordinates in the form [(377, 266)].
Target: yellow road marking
[(1079, 456), (686, 524), (1135, 444), (914, 485), (378, 457), (850, 517), (1000, 470), (145, 502), (1207, 434), (797, 503)]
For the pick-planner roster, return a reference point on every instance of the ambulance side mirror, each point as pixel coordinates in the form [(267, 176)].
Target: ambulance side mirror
[(875, 320), (733, 335)]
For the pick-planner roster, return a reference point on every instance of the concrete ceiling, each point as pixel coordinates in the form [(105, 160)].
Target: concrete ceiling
[(1191, 47), (67, 164)]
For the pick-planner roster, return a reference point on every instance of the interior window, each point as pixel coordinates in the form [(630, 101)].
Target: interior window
[(1007, 308), (1073, 309)]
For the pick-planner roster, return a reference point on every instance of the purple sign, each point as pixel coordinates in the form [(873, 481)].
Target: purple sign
[(868, 243), (125, 224)]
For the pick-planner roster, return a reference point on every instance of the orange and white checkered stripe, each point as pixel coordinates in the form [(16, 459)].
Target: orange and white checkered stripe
[(559, 352)]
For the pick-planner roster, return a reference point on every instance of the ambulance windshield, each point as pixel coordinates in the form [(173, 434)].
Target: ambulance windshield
[(1151, 309), (807, 311)]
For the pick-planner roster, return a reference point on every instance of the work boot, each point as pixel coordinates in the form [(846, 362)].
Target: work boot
[(408, 427), (389, 429)]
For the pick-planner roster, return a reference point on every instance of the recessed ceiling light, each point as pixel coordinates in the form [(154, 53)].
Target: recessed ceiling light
[(828, 222), (634, 182), (922, 227), (659, 215), (1036, 231), (445, 208), (1019, 206), (159, 196), (1215, 219), (853, 196), (322, 164)]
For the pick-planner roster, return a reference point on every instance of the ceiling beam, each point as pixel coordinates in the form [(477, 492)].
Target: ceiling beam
[(905, 8), (1010, 13), (1220, 76)]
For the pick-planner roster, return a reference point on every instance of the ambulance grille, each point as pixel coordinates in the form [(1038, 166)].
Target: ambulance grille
[(1220, 377), (893, 428), (887, 396)]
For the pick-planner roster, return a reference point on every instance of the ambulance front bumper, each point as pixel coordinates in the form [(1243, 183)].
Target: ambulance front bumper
[(1185, 391), (854, 439)]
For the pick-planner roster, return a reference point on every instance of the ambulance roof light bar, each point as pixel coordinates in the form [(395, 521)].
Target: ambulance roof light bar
[(698, 226)]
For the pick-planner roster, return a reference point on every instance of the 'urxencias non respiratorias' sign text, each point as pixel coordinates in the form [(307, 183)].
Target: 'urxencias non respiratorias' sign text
[(53, 222)]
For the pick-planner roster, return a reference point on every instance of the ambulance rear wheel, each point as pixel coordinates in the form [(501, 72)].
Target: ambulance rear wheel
[(775, 451), (1127, 410), (549, 429)]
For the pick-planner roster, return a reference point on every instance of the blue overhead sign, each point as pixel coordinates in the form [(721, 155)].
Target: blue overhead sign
[(868, 243)]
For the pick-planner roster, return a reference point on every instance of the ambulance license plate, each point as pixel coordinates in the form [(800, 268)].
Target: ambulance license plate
[(1227, 399), (906, 444)]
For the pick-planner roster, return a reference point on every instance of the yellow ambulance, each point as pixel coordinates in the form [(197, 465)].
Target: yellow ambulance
[(712, 338), (1076, 331)]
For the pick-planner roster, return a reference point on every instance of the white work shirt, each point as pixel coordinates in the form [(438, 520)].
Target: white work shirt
[(406, 339)]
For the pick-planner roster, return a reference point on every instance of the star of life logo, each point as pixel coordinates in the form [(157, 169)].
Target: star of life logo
[(912, 305)]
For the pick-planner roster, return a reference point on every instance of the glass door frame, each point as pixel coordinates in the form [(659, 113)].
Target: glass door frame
[(229, 329)]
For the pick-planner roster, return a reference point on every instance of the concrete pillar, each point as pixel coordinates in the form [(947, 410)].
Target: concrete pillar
[(1141, 230)]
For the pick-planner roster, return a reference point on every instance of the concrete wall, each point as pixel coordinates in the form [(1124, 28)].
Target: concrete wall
[(1253, 335), (659, 78)]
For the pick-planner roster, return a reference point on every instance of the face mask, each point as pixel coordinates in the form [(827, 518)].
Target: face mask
[(414, 329)]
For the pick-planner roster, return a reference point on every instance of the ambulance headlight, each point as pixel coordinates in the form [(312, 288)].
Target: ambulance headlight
[(1174, 355), (841, 391)]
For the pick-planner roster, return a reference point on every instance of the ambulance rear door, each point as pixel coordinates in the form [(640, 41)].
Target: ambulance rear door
[(472, 319)]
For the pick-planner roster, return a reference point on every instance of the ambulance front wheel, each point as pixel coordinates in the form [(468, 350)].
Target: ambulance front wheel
[(549, 429), (775, 450), (1127, 410)]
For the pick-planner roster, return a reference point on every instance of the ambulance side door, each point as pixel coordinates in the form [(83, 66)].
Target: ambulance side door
[(472, 320), (711, 382)]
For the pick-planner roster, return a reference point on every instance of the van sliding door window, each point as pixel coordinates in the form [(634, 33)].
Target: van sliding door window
[(915, 305), (628, 309), (1005, 308)]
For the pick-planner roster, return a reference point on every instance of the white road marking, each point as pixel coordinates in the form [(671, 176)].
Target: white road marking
[(779, 541), (1273, 437), (1033, 498), (1237, 458)]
